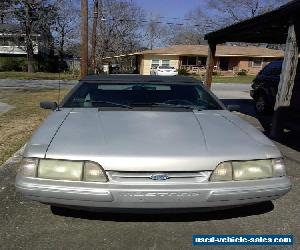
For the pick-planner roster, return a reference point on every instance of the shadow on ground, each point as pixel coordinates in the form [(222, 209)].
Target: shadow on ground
[(289, 138), (166, 215)]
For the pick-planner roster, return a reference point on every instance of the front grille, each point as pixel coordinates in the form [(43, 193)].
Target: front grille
[(149, 177)]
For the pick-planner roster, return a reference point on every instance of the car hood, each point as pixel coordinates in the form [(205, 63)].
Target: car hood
[(150, 140)]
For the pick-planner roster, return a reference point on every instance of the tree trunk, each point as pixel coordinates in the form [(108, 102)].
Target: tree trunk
[(29, 43), (30, 66), (30, 59), (61, 49)]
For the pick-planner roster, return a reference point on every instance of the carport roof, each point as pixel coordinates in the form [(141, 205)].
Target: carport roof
[(270, 27)]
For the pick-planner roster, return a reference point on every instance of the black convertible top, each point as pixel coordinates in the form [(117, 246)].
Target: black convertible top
[(140, 79)]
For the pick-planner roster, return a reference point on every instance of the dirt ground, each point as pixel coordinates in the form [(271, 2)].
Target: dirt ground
[(17, 125)]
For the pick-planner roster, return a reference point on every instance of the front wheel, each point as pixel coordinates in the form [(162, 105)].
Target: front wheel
[(262, 105)]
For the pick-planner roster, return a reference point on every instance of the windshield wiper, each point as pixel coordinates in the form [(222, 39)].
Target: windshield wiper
[(177, 105), (113, 103), (163, 104)]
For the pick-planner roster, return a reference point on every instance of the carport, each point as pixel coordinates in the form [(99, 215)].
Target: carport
[(281, 26)]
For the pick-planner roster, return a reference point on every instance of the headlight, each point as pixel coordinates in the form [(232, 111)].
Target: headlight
[(62, 170), (248, 170), (28, 167)]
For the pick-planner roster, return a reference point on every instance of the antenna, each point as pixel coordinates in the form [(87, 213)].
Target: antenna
[(59, 79)]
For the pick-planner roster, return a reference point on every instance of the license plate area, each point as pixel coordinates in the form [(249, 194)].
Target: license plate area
[(169, 196)]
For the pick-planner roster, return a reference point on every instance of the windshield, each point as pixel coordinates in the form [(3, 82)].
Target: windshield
[(165, 67), (134, 95)]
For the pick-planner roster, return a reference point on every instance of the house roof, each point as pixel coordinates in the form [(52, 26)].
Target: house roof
[(222, 50), (5, 28)]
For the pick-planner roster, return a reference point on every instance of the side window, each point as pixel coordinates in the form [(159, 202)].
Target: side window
[(277, 71), (272, 70), (184, 60), (267, 70)]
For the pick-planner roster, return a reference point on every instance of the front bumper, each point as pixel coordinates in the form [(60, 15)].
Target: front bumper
[(152, 196)]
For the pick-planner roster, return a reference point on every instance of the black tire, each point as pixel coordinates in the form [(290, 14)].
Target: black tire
[(262, 105)]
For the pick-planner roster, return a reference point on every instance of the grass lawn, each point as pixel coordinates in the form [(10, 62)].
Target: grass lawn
[(18, 124), (232, 79), (37, 76), (65, 76)]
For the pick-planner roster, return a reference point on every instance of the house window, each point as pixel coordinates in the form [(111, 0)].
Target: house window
[(184, 60), (154, 63), (165, 62), (192, 60), (189, 60), (201, 61), (257, 62)]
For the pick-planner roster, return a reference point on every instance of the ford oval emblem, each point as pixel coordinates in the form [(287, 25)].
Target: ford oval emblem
[(159, 177)]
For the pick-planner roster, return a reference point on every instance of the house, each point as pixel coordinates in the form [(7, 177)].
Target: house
[(13, 54), (229, 59), (12, 41)]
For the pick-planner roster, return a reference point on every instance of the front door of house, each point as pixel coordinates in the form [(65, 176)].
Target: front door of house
[(224, 63)]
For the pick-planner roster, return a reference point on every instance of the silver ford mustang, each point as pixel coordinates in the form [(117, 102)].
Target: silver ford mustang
[(148, 143)]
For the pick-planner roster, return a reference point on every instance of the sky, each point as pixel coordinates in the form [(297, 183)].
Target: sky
[(169, 8)]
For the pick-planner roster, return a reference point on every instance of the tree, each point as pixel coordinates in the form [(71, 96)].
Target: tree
[(185, 35), (154, 31), (119, 28), (5, 10), (34, 17), (217, 14), (238, 10), (196, 24), (66, 27)]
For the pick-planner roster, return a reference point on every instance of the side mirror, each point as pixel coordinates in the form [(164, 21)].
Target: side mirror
[(48, 105), (234, 108)]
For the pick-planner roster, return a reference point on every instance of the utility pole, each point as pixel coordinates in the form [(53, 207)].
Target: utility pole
[(84, 38), (94, 35)]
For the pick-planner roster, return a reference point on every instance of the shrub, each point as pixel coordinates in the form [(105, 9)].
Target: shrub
[(183, 72), (12, 64), (242, 72), (49, 64)]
